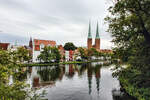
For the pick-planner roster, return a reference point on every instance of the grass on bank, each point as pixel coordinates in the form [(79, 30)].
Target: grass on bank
[(60, 63), (135, 83)]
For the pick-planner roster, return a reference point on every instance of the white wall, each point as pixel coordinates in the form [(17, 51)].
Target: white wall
[(67, 55), (35, 55)]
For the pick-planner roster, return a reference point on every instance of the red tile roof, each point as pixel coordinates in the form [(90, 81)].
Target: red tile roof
[(4, 46), (38, 42)]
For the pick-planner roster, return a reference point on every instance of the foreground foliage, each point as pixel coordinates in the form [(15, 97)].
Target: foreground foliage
[(9, 67), (129, 24)]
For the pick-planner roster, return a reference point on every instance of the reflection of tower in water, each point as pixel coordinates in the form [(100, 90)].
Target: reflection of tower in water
[(89, 73), (97, 76)]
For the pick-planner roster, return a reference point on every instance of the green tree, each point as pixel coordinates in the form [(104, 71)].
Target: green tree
[(130, 29), (10, 66), (5, 57), (23, 54), (49, 54), (82, 53), (95, 52), (129, 25), (70, 46), (7, 69), (57, 54)]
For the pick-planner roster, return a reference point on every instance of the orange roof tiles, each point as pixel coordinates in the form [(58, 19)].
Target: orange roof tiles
[(38, 42), (45, 42)]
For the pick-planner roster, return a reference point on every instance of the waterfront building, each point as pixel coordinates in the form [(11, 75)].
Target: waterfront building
[(37, 46), (97, 41), (97, 38), (5, 46)]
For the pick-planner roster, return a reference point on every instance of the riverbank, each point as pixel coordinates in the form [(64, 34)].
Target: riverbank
[(135, 84), (60, 63)]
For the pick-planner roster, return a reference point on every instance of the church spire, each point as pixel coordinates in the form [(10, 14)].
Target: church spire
[(89, 33), (97, 32), (30, 38), (30, 42)]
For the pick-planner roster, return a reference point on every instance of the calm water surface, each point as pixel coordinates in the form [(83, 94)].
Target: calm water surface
[(91, 81)]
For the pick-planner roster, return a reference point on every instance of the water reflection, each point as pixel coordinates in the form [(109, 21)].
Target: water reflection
[(96, 71), (121, 95), (89, 81)]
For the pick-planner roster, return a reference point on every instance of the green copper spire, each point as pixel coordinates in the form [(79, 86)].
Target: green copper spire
[(97, 32), (89, 33)]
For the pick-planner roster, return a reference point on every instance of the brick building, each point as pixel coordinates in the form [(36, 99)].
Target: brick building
[(97, 39)]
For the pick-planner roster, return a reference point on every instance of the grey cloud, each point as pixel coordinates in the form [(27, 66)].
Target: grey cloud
[(11, 38), (52, 19)]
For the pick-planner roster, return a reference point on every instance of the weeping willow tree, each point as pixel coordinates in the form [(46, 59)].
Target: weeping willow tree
[(129, 24)]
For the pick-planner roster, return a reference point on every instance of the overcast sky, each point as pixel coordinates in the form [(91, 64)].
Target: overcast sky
[(59, 20)]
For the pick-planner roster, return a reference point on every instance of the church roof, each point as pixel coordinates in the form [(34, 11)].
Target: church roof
[(89, 33), (97, 32)]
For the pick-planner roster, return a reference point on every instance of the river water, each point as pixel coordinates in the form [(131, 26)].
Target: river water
[(92, 81)]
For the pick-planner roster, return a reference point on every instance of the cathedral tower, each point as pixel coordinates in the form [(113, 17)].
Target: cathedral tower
[(97, 38), (89, 40)]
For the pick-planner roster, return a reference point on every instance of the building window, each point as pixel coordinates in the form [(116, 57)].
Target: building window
[(41, 47)]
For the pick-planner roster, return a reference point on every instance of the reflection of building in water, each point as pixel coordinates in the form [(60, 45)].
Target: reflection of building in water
[(30, 69), (32, 73), (46, 76), (90, 70), (97, 76), (69, 70), (89, 73), (66, 69), (78, 69), (62, 72), (36, 76), (37, 83)]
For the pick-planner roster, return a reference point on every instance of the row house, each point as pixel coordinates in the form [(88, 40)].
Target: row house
[(38, 45)]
